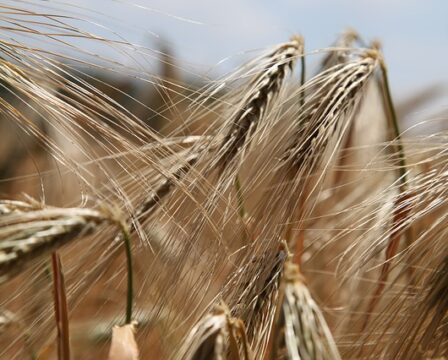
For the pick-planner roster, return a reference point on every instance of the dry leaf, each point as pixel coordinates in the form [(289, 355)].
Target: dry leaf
[(124, 346)]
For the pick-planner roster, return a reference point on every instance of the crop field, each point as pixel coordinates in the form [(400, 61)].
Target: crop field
[(280, 211)]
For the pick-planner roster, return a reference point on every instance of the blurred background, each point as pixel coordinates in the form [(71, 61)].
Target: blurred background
[(212, 36), (163, 53)]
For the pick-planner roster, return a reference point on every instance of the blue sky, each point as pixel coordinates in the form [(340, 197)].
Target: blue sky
[(414, 33)]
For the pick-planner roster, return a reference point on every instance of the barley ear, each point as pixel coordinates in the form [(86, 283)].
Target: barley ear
[(266, 87), (216, 336), (300, 331), (29, 231)]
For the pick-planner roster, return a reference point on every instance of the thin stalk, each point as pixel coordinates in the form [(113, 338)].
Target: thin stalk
[(302, 77), (302, 103), (394, 122), (402, 161), (400, 214), (60, 308), (240, 198), (130, 280)]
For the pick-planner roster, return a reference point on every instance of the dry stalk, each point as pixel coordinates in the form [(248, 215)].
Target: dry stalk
[(401, 209), (60, 308)]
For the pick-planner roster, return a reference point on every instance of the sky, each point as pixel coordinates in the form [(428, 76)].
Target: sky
[(218, 35)]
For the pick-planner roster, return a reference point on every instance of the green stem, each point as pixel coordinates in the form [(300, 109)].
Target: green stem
[(302, 78), (130, 289)]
